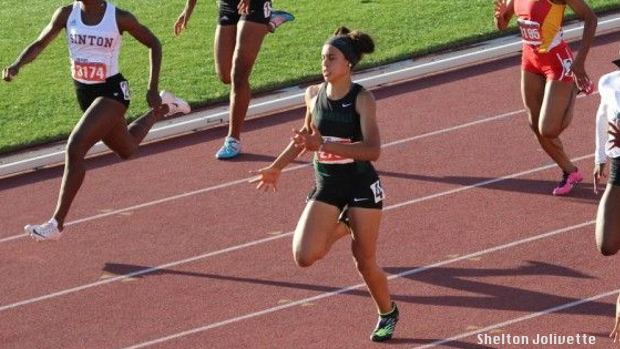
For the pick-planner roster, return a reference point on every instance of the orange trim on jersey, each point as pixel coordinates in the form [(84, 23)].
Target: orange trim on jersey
[(551, 25)]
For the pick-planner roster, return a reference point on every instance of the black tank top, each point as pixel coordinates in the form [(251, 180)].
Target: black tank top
[(339, 122)]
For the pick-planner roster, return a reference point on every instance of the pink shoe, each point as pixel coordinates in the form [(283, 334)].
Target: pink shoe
[(569, 180)]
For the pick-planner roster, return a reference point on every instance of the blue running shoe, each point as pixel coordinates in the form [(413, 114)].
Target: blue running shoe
[(278, 18), (230, 149)]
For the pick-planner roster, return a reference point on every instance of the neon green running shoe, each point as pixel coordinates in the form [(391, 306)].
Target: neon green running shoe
[(385, 326)]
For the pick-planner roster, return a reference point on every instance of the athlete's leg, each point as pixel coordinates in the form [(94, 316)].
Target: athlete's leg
[(365, 225), (533, 94), (223, 49), (123, 139), (608, 221), (250, 37), (96, 122), (317, 230), (568, 115), (555, 115)]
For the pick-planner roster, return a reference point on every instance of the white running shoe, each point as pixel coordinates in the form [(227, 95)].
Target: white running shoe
[(175, 104), (44, 232)]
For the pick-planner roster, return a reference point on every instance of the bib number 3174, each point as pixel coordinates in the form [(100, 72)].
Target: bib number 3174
[(94, 72)]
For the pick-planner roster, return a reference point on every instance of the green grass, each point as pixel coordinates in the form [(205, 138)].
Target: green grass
[(40, 106)]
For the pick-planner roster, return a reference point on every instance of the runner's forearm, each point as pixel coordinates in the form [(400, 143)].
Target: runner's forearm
[(286, 157)]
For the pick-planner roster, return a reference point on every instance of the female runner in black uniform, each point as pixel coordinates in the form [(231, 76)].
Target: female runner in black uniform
[(341, 127), (94, 29)]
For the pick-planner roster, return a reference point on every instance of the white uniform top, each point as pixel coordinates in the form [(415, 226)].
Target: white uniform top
[(608, 111), (93, 50)]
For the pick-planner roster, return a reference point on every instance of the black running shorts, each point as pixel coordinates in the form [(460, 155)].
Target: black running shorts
[(614, 171), (362, 190), (260, 12), (115, 87)]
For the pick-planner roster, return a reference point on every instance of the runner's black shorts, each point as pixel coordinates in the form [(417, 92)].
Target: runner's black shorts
[(614, 171), (115, 87), (260, 12), (360, 190)]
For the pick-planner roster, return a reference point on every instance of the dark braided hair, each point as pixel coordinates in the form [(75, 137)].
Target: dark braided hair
[(353, 44)]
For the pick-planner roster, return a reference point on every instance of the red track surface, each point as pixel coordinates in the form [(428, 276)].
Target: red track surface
[(69, 294)]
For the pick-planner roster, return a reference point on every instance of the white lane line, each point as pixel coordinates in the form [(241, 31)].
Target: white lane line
[(260, 241), (521, 319), (288, 169), (350, 288), (152, 203), (137, 273)]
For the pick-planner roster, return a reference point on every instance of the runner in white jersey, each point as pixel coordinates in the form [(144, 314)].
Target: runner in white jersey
[(607, 120), (93, 49), (94, 29), (607, 230)]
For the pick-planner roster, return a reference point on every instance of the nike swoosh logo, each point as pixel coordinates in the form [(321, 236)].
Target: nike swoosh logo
[(347, 105), (359, 199)]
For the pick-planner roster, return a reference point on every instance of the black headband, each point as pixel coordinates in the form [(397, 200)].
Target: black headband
[(616, 62), (345, 46)]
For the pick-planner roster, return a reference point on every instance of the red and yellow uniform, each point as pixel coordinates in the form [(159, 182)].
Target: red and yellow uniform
[(544, 51)]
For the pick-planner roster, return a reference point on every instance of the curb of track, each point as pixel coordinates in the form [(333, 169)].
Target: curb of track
[(292, 97)]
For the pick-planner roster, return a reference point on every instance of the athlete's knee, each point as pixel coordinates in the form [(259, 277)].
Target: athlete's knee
[(550, 132), (125, 154), (305, 260), (533, 125), (76, 149), (224, 77), (364, 264), (607, 249), (534, 128), (305, 257), (240, 76)]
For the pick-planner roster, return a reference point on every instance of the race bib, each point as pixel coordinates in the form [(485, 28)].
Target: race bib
[(86, 71), (329, 158), (530, 32), (566, 64), (267, 9), (377, 191), (125, 89)]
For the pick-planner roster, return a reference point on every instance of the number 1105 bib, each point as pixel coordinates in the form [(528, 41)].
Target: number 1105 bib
[(530, 32)]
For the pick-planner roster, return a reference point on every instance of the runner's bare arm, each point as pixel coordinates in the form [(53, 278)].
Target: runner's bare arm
[(184, 17), (268, 176), (600, 158), (503, 12), (583, 10), (243, 8), (127, 22), (291, 152), (49, 33)]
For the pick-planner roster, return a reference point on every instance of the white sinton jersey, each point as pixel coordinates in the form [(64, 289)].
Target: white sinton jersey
[(93, 50), (608, 112)]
